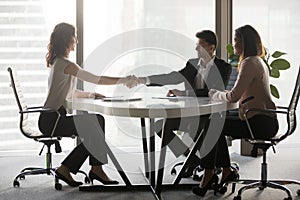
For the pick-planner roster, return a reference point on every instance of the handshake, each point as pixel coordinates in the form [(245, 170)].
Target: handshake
[(132, 81)]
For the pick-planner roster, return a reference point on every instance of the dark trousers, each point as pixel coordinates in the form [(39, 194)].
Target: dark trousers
[(192, 125), (263, 127), (88, 127)]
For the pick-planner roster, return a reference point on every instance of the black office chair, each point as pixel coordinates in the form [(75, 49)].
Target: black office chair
[(28, 132), (264, 145)]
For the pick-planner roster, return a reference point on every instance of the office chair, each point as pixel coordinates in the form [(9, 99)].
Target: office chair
[(264, 145), (28, 132)]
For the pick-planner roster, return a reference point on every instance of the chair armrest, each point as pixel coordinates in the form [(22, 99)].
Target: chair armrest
[(263, 111), (247, 99), (43, 110), (282, 107), (260, 111), (38, 109), (35, 107), (252, 97)]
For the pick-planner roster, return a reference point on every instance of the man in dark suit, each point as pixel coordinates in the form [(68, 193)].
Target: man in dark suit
[(199, 75)]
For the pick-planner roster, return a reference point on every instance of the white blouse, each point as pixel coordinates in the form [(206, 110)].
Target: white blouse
[(61, 86)]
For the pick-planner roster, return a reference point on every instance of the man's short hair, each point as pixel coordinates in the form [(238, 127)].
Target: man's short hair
[(209, 36)]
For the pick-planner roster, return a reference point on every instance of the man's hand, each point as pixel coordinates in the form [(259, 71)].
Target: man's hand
[(175, 92), (131, 81)]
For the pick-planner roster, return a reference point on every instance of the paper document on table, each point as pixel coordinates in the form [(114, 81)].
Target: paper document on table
[(173, 97), (121, 98)]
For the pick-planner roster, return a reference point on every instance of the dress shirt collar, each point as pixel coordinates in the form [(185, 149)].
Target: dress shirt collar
[(210, 63)]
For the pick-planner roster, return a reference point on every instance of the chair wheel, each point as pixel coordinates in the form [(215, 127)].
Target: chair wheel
[(298, 192), (16, 183), (58, 186), (261, 188), (173, 171), (197, 177), (235, 166), (218, 171), (22, 177), (199, 169), (87, 180), (223, 189), (237, 198)]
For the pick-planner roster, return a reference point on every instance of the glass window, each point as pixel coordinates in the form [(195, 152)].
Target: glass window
[(25, 30), (277, 23), (110, 24), (141, 37)]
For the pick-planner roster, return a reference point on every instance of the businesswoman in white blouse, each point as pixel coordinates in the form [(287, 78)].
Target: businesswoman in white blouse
[(62, 85), (252, 80)]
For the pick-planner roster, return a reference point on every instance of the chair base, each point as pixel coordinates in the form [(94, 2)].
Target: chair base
[(195, 172), (38, 171), (276, 184)]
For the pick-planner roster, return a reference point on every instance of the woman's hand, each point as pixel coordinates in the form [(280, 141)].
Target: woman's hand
[(211, 92), (217, 95)]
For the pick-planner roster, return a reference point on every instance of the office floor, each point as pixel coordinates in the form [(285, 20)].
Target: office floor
[(284, 164), (126, 145)]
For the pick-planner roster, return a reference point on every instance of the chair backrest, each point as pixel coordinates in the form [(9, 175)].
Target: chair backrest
[(291, 116), (25, 125), (232, 78)]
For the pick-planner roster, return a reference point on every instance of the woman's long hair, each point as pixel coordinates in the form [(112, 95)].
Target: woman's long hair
[(250, 42), (60, 40)]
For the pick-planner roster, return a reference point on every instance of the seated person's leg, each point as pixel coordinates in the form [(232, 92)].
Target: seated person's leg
[(195, 127), (174, 142), (89, 127), (191, 125)]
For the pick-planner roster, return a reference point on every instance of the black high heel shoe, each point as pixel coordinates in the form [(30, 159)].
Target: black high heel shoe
[(67, 181), (94, 176), (231, 178), (212, 184)]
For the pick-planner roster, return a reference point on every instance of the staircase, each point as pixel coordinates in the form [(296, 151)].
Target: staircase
[(23, 42)]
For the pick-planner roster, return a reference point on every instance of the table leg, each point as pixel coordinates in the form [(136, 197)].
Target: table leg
[(152, 153), (145, 147), (195, 148), (161, 165), (117, 165)]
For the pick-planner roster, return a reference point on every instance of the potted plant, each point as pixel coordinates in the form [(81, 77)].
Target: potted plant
[(275, 64)]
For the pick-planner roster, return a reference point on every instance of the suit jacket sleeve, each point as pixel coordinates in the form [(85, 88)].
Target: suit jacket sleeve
[(172, 78), (188, 73)]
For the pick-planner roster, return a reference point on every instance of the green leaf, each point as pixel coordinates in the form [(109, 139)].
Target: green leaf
[(277, 54), (274, 91), (275, 73), (280, 64), (229, 49)]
